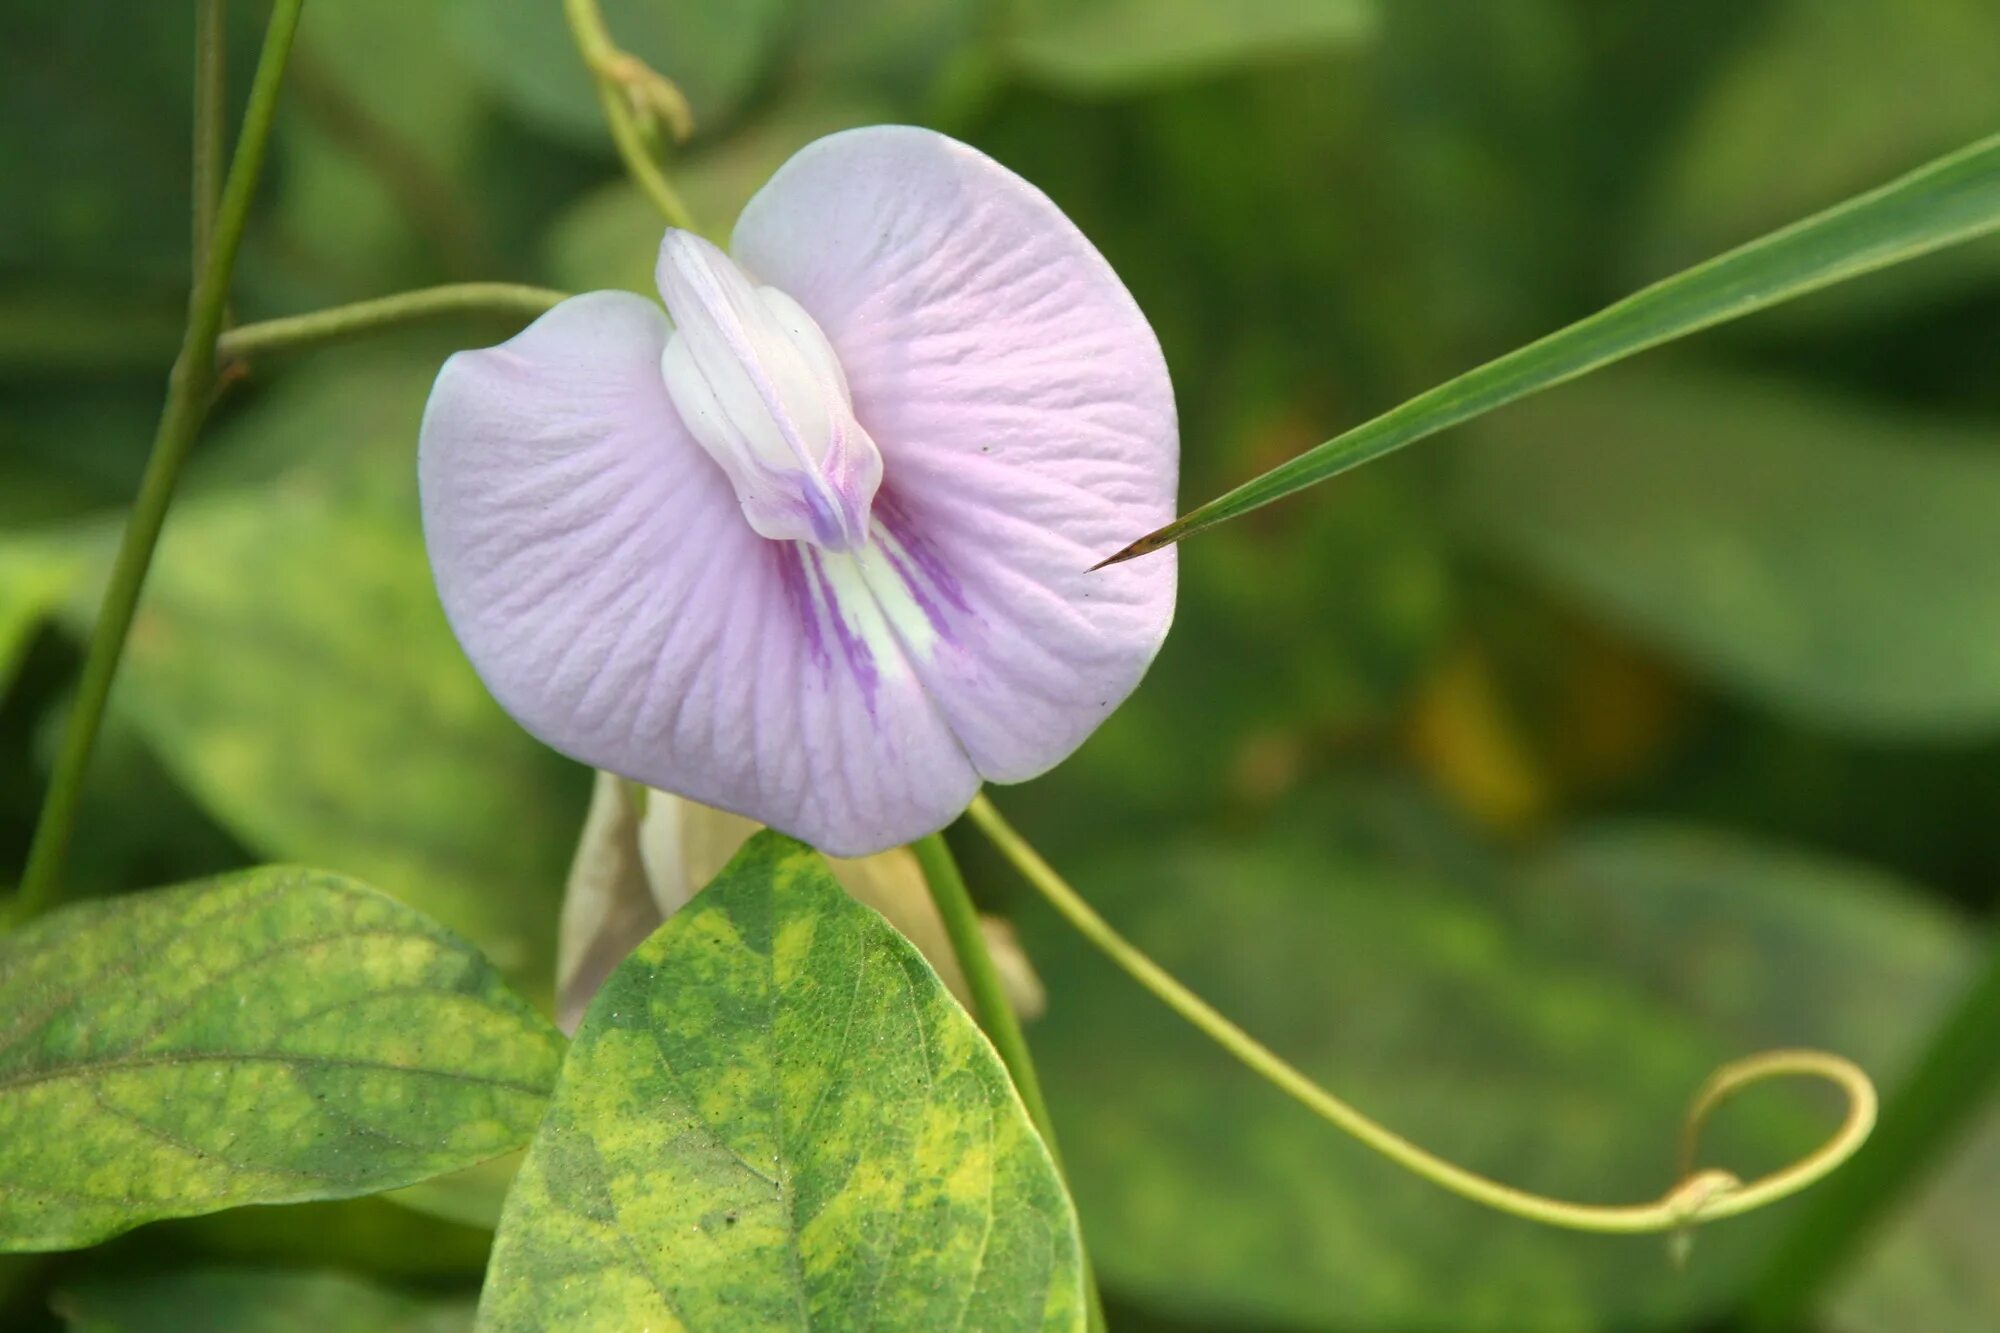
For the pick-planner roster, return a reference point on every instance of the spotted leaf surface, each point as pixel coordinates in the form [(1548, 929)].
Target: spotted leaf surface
[(267, 1037), (775, 1117)]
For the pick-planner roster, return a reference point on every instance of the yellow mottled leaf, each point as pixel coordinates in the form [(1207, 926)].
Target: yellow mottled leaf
[(775, 1117), (271, 1036)]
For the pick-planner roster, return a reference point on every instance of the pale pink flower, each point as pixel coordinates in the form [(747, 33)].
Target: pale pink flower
[(815, 545)]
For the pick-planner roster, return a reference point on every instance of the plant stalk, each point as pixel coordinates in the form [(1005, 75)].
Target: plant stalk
[(347, 321), (606, 61), (189, 386), (995, 1014)]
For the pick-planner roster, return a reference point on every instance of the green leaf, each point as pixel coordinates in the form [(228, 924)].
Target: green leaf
[(907, 49), (35, 578), (142, 826), (1846, 68), (1831, 561), (1117, 45), (1546, 1029), (1927, 1263), (774, 1116), (73, 454), (99, 192), (248, 1300), (381, 134), (713, 49), (266, 1037), (290, 664), (1952, 199)]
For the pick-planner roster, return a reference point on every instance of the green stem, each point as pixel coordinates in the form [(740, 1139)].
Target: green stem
[(1700, 1196), (990, 1006), (211, 95), (1956, 1077), (188, 388), (982, 978), (347, 321), (610, 67)]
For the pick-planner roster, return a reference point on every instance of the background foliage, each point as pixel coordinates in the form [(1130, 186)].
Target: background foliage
[(1508, 784)]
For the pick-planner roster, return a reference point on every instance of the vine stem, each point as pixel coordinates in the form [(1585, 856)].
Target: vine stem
[(189, 386), (1700, 1196), (613, 71), (347, 321), (995, 1014)]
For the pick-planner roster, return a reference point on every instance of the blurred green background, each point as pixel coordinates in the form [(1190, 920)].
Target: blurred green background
[(1508, 785)]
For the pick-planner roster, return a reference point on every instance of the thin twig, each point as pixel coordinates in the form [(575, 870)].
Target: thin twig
[(189, 387), (346, 321), (994, 1012), (615, 72)]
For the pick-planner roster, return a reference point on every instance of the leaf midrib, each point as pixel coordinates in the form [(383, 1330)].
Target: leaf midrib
[(173, 1058)]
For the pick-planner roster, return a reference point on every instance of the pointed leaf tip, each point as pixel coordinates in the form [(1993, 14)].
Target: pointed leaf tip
[(775, 1116), (1146, 545)]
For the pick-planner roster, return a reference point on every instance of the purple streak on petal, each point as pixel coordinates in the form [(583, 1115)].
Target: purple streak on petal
[(596, 565), (932, 611), (599, 568), (830, 527), (789, 559), (1023, 413), (860, 659), (922, 553)]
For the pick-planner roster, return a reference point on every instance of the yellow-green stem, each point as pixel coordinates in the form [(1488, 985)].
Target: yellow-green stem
[(605, 61), (990, 1007), (1700, 1196), (505, 299), (189, 386)]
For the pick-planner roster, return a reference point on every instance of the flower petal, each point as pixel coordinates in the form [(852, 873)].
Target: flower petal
[(1025, 420), (599, 574)]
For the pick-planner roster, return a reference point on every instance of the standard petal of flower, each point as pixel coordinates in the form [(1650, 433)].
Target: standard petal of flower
[(1025, 420), (596, 568)]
